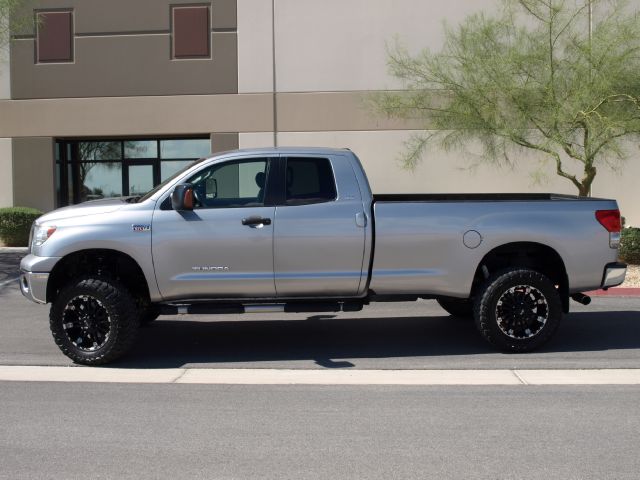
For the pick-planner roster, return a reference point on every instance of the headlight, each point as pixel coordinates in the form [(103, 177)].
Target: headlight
[(41, 234), (33, 227)]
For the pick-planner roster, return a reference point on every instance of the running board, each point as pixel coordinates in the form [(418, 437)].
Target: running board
[(230, 308)]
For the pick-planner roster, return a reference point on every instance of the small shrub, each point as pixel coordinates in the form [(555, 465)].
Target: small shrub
[(630, 246), (15, 224)]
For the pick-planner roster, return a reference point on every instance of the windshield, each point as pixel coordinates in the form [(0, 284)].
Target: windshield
[(168, 180)]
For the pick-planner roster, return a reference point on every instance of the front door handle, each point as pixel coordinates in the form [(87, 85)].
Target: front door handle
[(255, 221)]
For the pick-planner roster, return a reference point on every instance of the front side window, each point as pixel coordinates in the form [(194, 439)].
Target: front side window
[(309, 180), (231, 185)]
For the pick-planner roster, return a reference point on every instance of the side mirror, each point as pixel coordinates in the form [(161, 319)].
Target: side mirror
[(182, 197)]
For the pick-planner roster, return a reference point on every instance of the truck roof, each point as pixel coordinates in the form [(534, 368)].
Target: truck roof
[(288, 150)]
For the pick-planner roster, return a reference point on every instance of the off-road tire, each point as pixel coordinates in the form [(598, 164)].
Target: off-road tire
[(498, 288), (116, 303), (458, 308), (148, 314)]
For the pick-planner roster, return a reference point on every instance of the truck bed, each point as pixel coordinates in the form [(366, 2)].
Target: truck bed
[(427, 243)]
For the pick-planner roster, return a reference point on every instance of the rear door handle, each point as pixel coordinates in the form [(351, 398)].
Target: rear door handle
[(255, 221)]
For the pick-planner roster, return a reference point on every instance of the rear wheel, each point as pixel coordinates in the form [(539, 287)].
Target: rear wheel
[(518, 310), (94, 320), (462, 308)]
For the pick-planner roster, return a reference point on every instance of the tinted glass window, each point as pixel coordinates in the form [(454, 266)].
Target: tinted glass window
[(100, 180), (191, 148), (191, 37), (233, 184), (92, 169), (141, 149), (54, 36), (309, 180)]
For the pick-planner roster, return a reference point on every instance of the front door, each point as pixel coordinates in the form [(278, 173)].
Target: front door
[(224, 247)]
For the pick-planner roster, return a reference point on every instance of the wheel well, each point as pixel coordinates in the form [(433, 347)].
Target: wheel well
[(102, 263), (535, 256)]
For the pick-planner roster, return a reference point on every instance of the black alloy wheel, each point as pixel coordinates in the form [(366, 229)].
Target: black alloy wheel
[(94, 320), (518, 309)]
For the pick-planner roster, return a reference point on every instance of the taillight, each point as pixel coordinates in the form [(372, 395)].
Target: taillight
[(610, 220)]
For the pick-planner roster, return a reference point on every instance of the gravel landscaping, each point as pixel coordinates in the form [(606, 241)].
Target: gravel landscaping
[(633, 277)]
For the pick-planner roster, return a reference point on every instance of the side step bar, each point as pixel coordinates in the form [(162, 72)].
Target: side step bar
[(231, 308)]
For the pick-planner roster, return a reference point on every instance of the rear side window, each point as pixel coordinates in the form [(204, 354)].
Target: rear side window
[(309, 180)]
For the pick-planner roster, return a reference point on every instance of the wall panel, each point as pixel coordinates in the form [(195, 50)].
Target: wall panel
[(33, 173)]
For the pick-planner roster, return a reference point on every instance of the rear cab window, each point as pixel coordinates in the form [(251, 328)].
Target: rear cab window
[(309, 180)]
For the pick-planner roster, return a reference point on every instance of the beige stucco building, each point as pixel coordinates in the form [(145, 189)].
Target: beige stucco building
[(107, 98)]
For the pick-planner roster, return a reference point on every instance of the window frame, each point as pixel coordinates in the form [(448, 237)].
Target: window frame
[(69, 163), (37, 35), (172, 9)]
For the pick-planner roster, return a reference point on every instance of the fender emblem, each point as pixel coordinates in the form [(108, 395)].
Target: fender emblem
[(141, 228), (210, 268)]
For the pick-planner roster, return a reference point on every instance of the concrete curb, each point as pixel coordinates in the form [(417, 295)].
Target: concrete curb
[(14, 249)]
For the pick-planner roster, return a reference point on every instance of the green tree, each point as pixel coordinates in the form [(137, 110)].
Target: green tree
[(559, 77), (14, 16)]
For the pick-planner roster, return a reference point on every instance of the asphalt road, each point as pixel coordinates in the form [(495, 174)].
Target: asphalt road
[(417, 335), (77, 430)]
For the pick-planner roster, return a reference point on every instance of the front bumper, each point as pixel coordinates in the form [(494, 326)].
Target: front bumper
[(614, 274), (34, 286), (34, 275)]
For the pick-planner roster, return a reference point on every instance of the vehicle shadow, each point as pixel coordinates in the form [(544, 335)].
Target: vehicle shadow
[(170, 343)]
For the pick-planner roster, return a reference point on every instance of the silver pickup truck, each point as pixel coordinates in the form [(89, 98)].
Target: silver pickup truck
[(298, 230)]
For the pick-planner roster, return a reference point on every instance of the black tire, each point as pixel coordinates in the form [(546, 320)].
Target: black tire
[(97, 310), (148, 314), (458, 308), (518, 310)]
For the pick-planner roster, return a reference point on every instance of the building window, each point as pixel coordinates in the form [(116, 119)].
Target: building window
[(190, 32), (54, 37), (95, 169)]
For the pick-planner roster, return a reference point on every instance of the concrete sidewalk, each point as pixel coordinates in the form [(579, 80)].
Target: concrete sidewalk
[(320, 376)]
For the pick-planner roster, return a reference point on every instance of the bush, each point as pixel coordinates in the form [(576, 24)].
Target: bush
[(630, 246), (15, 224)]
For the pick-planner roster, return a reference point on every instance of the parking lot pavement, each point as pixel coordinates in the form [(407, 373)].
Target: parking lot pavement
[(10, 264)]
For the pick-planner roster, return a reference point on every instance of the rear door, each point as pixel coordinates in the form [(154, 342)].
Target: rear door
[(319, 235)]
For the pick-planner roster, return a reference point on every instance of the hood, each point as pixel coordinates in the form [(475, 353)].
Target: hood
[(92, 207)]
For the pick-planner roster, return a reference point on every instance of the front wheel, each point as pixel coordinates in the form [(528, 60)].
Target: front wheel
[(518, 310), (94, 320)]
